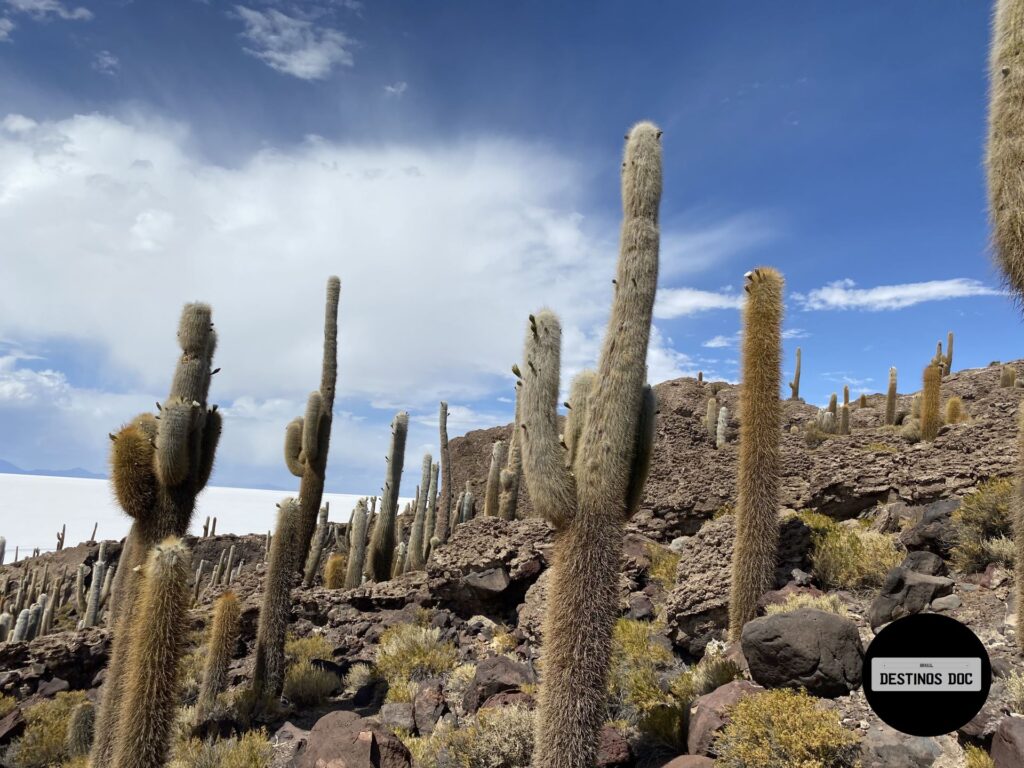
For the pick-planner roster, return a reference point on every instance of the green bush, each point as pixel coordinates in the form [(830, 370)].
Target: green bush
[(409, 652), (984, 525), (250, 750), (976, 757), (498, 737), (849, 558), (46, 726), (785, 729), (306, 685), (664, 563)]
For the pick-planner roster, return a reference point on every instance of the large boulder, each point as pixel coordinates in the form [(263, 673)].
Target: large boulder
[(429, 706), (807, 648), (697, 609), (345, 740), (906, 592), (495, 675), (709, 714), (885, 747), (1008, 743), (932, 528)]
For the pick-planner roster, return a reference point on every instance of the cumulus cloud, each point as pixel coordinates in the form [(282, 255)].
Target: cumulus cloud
[(680, 302), (294, 46), (43, 9), (6, 27), (843, 294)]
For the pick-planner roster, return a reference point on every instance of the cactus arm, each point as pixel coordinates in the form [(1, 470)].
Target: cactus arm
[(642, 450), (208, 447), (131, 469), (329, 366), (579, 403), (550, 483), (311, 427), (754, 554), (293, 447)]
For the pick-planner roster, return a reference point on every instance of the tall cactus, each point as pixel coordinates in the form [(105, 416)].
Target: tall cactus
[(508, 498), (382, 542), (832, 406), (492, 492), (158, 466), (721, 434), (947, 363), (414, 558), (156, 646), (431, 516), (316, 551), (794, 385), (441, 529), (308, 438), (757, 506), (844, 419), (930, 403), (890, 399), (1004, 159), (711, 417), (78, 738), (587, 503), (468, 502), (356, 546), (221, 646), (275, 609)]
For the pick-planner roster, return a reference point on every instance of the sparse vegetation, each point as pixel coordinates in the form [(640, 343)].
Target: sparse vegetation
[(250, 750), (784, 729), (850, 558), (985, 525), (826, 602), (976, 757), (1015, 691), (44, 742), (663, 566), (410, 652), (306, 684), (498, 737)]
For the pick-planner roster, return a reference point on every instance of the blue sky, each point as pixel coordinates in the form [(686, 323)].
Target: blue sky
[(457, 165)]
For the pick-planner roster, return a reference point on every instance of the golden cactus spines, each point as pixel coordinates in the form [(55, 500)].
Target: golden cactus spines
[(492, 491), (757, 523), (156, 645), (78, 739), (890, 399), (587, 504), (334, 571), (931, 419), (219, 650)]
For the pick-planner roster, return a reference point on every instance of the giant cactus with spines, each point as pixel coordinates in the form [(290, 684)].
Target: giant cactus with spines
[(890, 399), (220, 647), (443, 526), (159, 464), (931, 419), (578, 406), (431, 515), (757, 523), (382, 541), (492, 491), (356, 546), (157, 642), (587, 502), (311, 434), (508, 497), (414, 557)]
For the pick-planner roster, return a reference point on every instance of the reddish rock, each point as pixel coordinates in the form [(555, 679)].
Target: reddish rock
[(613, 748), (510, 699), (346, 740), (1008, 743), (709, 714), (12, 726), (492, 676)]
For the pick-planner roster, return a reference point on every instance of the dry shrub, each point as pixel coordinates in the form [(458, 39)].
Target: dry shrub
[(250, 750), (829, 603), (306, 685), (983, 519), (849, 558), (409, 652), (498, 737), (46, 726)]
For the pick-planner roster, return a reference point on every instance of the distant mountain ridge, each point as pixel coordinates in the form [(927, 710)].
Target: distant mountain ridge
[(10, 469)]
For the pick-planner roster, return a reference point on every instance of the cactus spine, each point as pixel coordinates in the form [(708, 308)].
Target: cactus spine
[(414, 557), (441, 530), (356, 546), (930, 399), (334, 571), (508, 498), (492, 490), (431, 518), (890, 399), (844, 419), (268, 673), (588, 502), (382, 543), (316, 551), (156, 645), (723, 426), (307, 439), (794, 385), (757, 524), (78, 739), (158, 467), (223, 639), (947, 363)]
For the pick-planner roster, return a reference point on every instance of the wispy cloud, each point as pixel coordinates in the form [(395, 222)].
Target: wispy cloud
[(680, 302), (718, 342), (42, 9), (6, 27), (106, 63), (693, 244), (843, 294), (396, 89), (294, 46)]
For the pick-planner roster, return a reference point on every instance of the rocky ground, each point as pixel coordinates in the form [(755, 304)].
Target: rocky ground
[(483, 592)]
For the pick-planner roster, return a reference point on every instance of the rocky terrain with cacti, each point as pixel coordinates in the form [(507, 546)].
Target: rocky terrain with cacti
[(441, 664)]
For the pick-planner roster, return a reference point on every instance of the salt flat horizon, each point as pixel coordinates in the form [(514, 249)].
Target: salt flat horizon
[(34, 507)]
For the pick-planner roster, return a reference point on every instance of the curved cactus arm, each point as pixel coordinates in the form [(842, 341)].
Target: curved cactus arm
[(208, 446), (642, 450), (293, 447), (548, 480), (579, 402), (173, 441), (311, 426), (131, 466)]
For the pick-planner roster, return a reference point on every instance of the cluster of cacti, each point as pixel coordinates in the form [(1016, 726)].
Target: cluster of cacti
[(383, 541), (711, 417), (414, 557), (99, 589), (465, 508), (757, 524), (357, 546), (219, 650), (499, 455), (588, 498), (158, 466), (208, 528), (308, 437), (38, 596), (794, 385)]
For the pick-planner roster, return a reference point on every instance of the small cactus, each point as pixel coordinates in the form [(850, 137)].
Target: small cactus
[(890, 399), (862, 401), (334, 571), (844, 419), (356, 546), (1007, 376), (78, 739), (468, 503), (947, 363), (794, 385), (711, 418), (955, 411), (316, 551), (219, 650), (833, 406)]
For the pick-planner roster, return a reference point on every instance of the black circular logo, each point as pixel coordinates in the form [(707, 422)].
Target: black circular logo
[(926, 674)]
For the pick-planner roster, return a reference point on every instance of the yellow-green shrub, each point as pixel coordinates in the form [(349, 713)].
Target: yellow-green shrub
[(664, 563), (976, 757), (983, 517), (306, 685), (46, 726), (784, 729), (848, 558), (250, 750), (829, 603), (358, 676), (410, 652), (1015, 690), (7, 704), (308, 648), (498, 737)]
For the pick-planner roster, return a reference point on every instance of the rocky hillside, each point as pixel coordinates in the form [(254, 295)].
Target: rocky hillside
[(440, 667)]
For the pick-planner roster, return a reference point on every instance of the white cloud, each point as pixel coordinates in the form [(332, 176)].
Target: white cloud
[(680, 302), (6, 27), (42, 9), (106, 63), (396, 89), (694, 244), (718, 342), (294, 46), (843, 294)]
